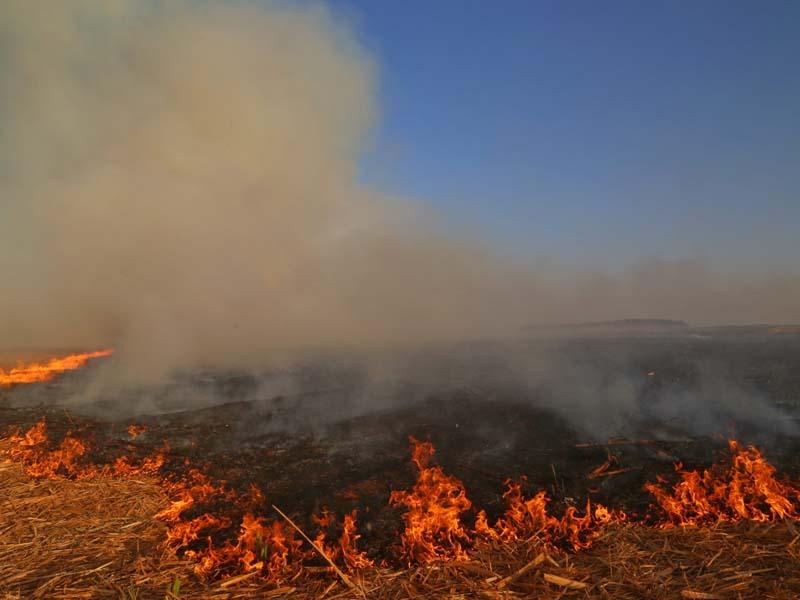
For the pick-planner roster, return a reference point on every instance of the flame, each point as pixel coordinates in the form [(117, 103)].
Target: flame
[(527, 518), (150, 465), (744, 490), (192, 530), (46, 371), (353, 558), (32, 449), (266, 547), (272, 543), (194, 488), (135, 431), (223, 531), (434, 507), (524, 517), (269, 548), (347, 546), (69, 459)]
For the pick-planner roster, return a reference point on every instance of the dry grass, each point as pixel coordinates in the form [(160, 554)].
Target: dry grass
[(63, 539), (98, 539)]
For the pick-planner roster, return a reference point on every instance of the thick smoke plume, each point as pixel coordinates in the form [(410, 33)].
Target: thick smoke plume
[(179, 180)]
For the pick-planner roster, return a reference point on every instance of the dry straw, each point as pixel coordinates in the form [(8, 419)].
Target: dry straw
[(99, 539)]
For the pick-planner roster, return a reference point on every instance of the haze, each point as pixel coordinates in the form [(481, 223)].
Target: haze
[(207, 184)]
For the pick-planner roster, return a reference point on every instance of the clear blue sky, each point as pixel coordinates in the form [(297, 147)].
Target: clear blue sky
[(594, 131)]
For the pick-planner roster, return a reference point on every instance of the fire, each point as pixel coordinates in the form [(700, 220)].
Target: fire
[(527, 518), (46, 371), (353, 557), (194, 488), (268, 548), (259, 546), (135, 431), (434, 529), (347, 546), (225, 532), (744, 490), (193, 530), (40, 461), (434, 508), (524, 517), (69, 459)]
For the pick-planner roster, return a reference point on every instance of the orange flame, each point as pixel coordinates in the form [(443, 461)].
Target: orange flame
[(433, 523), (259, 547), (528, 518), (70, 458), (270, 548), (347, 547), (32, 450), (135, 431), (353, 557), (746, 490), (45, 371)]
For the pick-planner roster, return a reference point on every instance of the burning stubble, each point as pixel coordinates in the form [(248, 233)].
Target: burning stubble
[(179, 180)]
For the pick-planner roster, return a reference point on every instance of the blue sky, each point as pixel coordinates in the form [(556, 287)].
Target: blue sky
[(594, 132)]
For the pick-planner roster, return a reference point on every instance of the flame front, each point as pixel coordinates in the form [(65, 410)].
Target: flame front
[(70, 458), (225, 532), (45, 371), (747, 489)]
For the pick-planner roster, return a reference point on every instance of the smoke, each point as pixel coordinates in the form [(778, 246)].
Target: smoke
[(179, 180), (659, 387)]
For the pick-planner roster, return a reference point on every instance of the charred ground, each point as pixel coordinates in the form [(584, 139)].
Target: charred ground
[(339, 439)]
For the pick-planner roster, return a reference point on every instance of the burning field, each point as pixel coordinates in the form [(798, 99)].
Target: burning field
[(246, 353), (463, 492)]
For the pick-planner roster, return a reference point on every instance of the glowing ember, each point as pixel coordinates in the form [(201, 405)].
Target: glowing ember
[(45, 371), (434, 507)]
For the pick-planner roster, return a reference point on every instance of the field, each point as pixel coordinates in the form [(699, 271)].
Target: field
[(592, 418)]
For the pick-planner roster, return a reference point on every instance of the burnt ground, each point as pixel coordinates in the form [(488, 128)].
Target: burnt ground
[(339, 441)]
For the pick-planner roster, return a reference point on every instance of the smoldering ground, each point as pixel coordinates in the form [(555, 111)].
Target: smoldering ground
[(180, 181), (670, 388)]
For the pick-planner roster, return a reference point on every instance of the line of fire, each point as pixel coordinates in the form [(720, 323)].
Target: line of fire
[(399, 300), (195, 502)]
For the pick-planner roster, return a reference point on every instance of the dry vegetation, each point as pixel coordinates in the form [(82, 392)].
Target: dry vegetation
[(98, 538)]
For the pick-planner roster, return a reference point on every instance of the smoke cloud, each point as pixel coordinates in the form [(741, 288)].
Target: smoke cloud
[(179, 180)]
